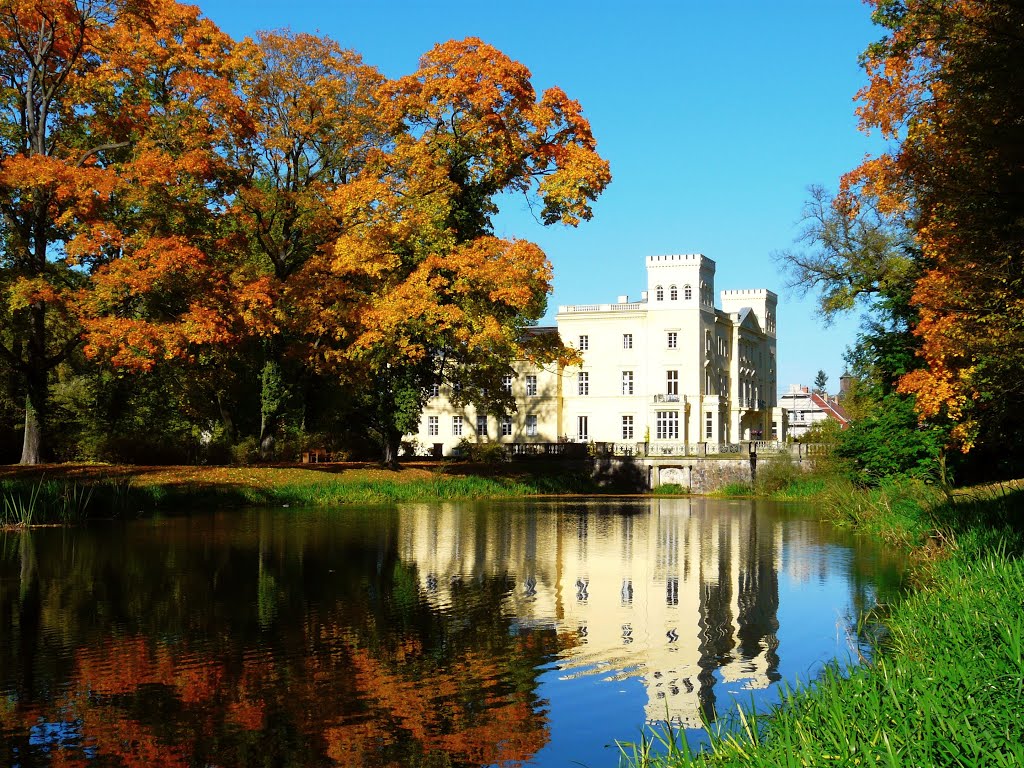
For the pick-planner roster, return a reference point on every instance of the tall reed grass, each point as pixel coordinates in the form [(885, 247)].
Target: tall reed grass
[(49, 502)]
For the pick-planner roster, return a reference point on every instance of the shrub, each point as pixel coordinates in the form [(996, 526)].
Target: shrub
[(776, 473), (890, 443), (246, 450), (483, 453)]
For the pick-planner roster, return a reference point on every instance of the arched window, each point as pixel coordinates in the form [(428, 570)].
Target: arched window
[(673, 293), (659, 293), (687, 293)]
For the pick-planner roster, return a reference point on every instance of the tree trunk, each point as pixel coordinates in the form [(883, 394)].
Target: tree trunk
[(392, 445), (272, 397), (226, 420), (35, 415), (36, 364)]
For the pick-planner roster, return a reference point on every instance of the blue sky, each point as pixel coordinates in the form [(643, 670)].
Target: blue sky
[(715, 117)]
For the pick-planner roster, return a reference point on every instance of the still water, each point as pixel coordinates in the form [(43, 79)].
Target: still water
[(459, 634)]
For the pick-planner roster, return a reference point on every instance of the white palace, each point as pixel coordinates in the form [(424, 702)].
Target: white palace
[(664, 374)]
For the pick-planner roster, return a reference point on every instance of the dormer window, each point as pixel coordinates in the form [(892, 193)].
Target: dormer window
[(659, 293), (687, 293), (673, 293)]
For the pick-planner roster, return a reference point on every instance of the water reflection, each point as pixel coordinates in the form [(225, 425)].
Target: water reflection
[(668, 589), (456, 634)]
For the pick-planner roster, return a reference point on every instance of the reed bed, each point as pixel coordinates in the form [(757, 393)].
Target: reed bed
[(43, 502), (945, 686)]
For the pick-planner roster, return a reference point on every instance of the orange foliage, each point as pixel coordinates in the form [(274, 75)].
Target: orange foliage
[(416, 235), (500, 728), (496, 120), (940, 85)]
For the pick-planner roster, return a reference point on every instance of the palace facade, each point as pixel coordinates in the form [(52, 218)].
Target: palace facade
[(664, 373)]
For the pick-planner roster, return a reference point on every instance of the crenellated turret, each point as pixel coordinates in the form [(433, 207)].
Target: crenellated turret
[(680, 281)]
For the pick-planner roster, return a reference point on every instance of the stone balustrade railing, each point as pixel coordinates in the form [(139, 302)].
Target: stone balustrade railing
[(667, 448)]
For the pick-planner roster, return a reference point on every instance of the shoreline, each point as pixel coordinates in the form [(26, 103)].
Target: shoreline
[(70, 493), (944, 683)]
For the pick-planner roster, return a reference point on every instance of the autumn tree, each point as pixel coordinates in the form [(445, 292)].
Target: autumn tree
[(945, 87), (313, 111), (854, 253), (110, 169), (50, 176), (439, 295)]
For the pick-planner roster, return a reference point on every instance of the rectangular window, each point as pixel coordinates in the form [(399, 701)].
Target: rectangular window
[(432, 426), (531, 426), (627, 341), (672, 383), (709, 425), (435, 390), (457, 426), (673, 340), (582, 431), (506, 426), (584, 343), (707, 384), (506, 382), (583, 383), (531, 385), (627, 427), (666, 425), (627, 382), (481, 425)]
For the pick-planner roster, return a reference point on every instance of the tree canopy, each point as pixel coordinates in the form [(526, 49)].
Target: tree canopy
[(928, 236), (175, 201), (946, 86)]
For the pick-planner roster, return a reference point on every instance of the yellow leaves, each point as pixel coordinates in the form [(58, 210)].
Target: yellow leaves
[(471, 298), (25, 292), (254, 302)]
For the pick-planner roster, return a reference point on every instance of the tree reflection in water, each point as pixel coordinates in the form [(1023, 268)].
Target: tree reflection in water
[(423, 635)]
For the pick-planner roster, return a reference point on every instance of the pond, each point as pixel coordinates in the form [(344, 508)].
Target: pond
[(535, 632)]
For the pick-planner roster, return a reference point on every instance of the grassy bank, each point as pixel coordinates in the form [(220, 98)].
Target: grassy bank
[(69, 493), (946, 684)]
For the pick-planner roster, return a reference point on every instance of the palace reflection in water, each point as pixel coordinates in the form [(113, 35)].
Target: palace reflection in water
[(671, 594), (514, 633)]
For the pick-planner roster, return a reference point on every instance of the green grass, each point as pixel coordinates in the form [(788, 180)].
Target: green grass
[(946, 683), (41, 501), (734, 489)]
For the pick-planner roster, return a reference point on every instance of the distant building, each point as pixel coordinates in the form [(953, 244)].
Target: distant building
[(804, 409), (671, 370)]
